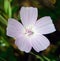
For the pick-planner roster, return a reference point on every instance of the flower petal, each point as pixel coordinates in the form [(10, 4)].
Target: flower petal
[(14, 28), (28, 15), (23, 44), (40, 42), (45, 25)]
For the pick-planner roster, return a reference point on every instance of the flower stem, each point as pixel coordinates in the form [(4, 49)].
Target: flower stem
[(37, 56), (46, 58)]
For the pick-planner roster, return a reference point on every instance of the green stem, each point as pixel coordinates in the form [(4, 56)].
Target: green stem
[(37, 56), (47, 59)]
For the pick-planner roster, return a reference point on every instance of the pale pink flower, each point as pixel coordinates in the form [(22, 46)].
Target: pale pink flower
[(31, 32)]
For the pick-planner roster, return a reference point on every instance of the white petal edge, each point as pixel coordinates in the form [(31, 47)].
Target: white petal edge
[(23, 44), (40, 43), (14, 28), (45, 25), (28, 15)]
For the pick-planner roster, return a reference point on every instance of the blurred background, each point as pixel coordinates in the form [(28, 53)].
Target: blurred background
[(10, 9)]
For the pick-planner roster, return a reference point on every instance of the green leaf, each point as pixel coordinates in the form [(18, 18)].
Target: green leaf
[(8, 8), (6, 5), (3, 20), (3, 42), (10, 11)]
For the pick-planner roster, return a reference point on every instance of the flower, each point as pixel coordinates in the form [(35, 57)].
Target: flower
[(31, 32)]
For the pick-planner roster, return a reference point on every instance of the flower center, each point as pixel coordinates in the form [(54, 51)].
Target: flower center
[(29, 31)]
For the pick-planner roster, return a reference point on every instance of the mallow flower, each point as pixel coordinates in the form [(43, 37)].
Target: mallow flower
[(30, 33)]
